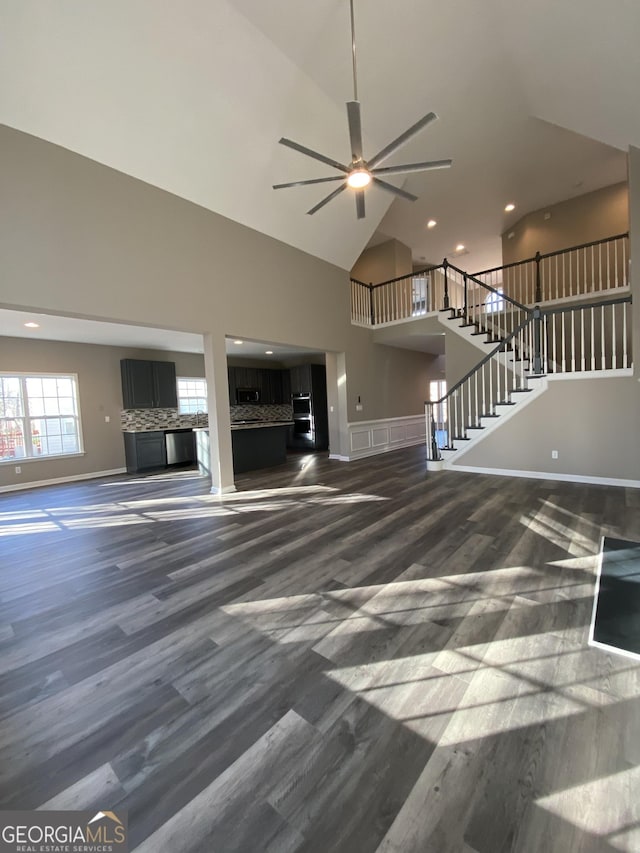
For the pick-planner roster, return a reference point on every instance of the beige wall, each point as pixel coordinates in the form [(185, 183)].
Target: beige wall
[(588, 217), (80, 239), (594, 424), (383, 262), (392, 379), (100, 393)]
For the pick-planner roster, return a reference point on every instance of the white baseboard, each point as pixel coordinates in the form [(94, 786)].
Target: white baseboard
[(54, 481), (338, 457), (547, 475)]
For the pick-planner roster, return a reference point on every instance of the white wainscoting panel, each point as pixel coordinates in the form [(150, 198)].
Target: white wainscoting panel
[(368, 438)]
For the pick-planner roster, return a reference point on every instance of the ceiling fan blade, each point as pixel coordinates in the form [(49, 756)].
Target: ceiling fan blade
[(308, 151), (395, 190), (305, 183), (392, 147), (413, 167), (327, 199), (360, 203), (355, 129)]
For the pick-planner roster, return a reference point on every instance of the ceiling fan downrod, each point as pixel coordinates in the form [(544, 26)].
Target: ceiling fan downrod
[(360, 173)]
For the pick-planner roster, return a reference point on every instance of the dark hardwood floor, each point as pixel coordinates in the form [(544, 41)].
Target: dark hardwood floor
[(338, 657)]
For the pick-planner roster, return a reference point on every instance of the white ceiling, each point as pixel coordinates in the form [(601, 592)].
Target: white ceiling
[(534, 102), (53, 328)]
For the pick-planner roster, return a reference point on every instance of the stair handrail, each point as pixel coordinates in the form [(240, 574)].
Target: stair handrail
[(532, 315), (505, 296), (499, 346)]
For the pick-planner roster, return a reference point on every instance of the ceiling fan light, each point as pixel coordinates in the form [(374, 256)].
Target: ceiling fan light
[(358, 179)]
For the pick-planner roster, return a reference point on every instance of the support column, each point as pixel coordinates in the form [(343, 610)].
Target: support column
[(337, 400), (220, 451), (343, 408)]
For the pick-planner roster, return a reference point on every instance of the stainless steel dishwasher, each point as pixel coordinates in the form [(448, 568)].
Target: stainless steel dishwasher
[(181, 447)]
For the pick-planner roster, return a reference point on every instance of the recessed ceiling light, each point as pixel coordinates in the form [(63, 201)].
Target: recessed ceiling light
[(238, 342), (509, 207), (32, 325), (268, 352), (431, 223), (460, 247)]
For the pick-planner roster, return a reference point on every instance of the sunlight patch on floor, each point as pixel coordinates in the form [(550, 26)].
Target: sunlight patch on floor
[(148, 511), (580, 805), (569, 538)]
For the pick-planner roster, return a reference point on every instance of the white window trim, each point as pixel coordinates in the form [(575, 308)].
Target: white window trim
[(190, 379), (21, 374)]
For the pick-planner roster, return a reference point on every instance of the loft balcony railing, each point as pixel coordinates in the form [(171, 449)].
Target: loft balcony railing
[(409, 296), (585, 271), (591, 268)]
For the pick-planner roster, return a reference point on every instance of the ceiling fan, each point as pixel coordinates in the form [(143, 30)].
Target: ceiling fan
[(360, 173)]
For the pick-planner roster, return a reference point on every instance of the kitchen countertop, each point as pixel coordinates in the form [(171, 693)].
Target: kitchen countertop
[(259, 424), (161, 429)]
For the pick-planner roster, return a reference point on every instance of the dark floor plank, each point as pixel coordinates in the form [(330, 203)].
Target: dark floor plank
[(365, 657)]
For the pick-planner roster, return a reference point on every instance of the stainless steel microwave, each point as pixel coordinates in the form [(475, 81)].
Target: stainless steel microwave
[(247, 395)]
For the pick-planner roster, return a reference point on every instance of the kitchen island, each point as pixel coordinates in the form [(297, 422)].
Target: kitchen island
[(255, 444)]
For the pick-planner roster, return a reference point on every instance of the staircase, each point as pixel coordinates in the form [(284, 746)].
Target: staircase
[(567, 312)]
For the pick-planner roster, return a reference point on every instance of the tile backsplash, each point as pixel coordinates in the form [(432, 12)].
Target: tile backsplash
[(263, 412), (142, 420)]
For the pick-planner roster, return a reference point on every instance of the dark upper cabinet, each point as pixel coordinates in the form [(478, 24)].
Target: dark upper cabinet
[(272, 384), (301, 379), (148, 384), (285, 376), (166, 388), (271, 387)]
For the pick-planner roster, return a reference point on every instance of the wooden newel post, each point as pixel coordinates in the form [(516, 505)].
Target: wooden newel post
[(538, 279), (445, 264), (537, 340)]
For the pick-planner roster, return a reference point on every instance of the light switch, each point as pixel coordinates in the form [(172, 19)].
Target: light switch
[(107, 419)]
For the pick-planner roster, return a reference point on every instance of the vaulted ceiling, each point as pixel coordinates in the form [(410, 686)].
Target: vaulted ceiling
[(537, 103)]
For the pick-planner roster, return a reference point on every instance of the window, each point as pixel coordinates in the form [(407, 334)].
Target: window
[(192, 395), (494, 302), (419, 295), (39, 416), (437, 390)]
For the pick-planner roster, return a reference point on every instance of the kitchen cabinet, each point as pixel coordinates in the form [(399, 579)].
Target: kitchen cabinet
[(260, 447), (145, 450), (148, 384), (271, 390), (300, 378), (273, 384)]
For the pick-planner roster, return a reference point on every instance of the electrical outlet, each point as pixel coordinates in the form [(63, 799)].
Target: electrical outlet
[(18, 469), (107, 419), (554, 454)]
